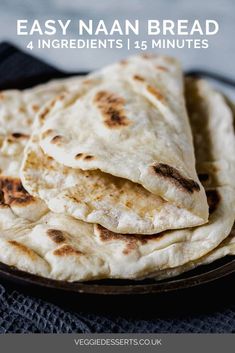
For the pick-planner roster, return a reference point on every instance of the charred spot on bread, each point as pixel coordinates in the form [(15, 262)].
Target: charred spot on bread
[(67, 250), (173, 175), (13, 192), (47, 133), (78, 155), (83, 156), (18, 135), (35, 108), (88, 157), (131, 241), (22, 109), (56, 139), (155, 92), (22, 248), (56, 235), (213, 199), (203, 176), (111, 107), (138, 78), (44, 113)]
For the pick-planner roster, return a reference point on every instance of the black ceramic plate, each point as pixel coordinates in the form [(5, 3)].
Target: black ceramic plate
[(201, 275)]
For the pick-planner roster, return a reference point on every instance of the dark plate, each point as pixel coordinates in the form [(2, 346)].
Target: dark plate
[(199, 276)]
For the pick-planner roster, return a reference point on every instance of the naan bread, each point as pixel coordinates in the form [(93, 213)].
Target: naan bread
[(97, 197), (202, 103), (212, 123), (227, 247), (63, 248), (125, 137), (74, 250), (17, 112)]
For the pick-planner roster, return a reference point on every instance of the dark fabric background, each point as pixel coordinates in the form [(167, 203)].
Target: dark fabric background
[(209, 308)]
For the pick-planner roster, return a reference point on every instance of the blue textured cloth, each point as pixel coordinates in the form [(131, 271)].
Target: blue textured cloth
[(22, 313), (26, 313)]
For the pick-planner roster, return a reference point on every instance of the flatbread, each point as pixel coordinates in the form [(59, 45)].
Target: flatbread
[(140, 172), (17, 112), (199, 109), (227, 247), (212, 123), (60, 247), (115, 203), (84, 251)]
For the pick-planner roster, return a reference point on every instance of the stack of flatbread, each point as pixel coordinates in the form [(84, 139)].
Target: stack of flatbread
[(128, 172)]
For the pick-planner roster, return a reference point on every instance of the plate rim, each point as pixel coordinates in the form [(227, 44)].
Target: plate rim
[(172, 284)]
